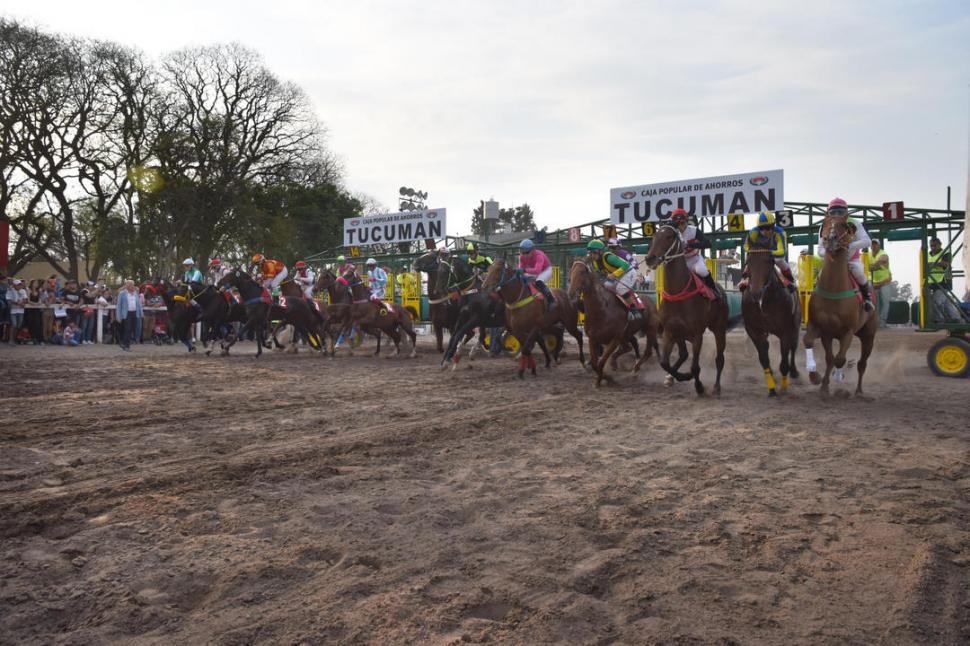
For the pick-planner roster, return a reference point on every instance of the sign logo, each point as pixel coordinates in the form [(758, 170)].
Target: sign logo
[(628, 195), (760, 180), (355, 222), (432, 215)]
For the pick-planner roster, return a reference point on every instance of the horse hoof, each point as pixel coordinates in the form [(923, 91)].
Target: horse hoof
[(522, 375), (815, 378), (772, 393), (208, 353), (669, 381)]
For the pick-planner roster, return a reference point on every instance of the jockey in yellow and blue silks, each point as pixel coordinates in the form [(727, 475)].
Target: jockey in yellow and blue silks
[(769, 235), (620, 275)]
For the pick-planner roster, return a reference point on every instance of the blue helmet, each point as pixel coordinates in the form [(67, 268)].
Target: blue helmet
[(526, 245)]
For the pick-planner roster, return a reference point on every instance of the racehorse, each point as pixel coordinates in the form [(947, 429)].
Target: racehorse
[(463, 285), (835, 310), (181, 314), (607, 322), (377, 319), (769, 308), (528, 315), (685, 311), (442, 310), (257, 302), (337, 312)]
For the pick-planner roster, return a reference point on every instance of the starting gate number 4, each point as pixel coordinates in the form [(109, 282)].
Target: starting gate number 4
[(736, 222)]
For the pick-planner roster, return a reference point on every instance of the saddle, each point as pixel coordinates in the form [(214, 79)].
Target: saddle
[(632, 300), (535, 291)]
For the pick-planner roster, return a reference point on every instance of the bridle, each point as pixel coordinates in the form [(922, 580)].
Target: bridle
[(672, 252), (503, 281)]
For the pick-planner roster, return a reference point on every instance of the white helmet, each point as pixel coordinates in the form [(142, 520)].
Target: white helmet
[(188, 261), (444, 251), (371, 261)]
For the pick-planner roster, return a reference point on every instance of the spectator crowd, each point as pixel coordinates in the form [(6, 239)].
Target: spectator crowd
[(56, 312)]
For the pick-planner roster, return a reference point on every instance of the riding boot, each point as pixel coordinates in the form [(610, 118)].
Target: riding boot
[(545, 291), (709, 281), (866, 296)]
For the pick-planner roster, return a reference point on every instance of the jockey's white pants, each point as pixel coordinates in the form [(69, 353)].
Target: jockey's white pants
[(377, 292), (782, 264), (625, 283), (545, 275), (697, 265), (278, 278), (858, 272)]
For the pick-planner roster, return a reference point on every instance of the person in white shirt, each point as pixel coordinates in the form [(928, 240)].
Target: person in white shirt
[(304, 277), (16, 297)]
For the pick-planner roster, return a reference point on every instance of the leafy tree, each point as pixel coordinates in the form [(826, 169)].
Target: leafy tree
[(519, 218)]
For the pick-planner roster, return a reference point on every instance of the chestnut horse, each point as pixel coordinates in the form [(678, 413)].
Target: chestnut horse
[(769, 308), (835, 310), (685, 311), (607, 321), (527, 315), (376, 319), (337, 312)]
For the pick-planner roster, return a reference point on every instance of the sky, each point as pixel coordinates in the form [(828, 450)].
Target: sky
[(554, 103)]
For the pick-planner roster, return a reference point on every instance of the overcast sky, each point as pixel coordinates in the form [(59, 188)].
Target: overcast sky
[(553, 103)]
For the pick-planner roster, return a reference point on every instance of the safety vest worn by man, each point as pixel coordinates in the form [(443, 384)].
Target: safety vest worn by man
[(937, 275), (880, 275)]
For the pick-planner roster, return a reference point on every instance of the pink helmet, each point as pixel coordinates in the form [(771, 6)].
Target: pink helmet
[(837, 202)]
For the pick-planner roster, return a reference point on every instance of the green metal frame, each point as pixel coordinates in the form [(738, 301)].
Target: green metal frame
[(916, 224)]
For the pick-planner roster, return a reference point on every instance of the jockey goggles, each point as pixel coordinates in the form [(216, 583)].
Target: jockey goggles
[(838, 211)]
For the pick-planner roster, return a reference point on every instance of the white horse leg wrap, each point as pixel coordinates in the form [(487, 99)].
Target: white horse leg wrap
[(810, 359)]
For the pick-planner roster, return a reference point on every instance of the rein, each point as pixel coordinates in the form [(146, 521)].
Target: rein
[(679, 242)]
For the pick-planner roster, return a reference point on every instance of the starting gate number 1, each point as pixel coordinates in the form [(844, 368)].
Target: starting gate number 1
[(736, 222)]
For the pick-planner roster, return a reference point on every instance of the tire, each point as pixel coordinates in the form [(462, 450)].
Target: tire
[(950, 357)]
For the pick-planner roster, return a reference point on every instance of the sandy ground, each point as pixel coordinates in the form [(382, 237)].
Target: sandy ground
[(162, 498)]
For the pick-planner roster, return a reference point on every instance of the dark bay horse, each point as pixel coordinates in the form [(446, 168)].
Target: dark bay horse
[(686, 312), (257, 308), (607, 324), (442, 310), (528, 316), (337, 312), (461, 286), (835, 310), (769, 308), (379, 319)]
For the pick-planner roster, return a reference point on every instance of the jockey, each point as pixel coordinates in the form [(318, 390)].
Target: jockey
[(617, 248), (304, 277), (620, 274), (377, 278), (477, 261), (343, 266), (273, 272), (769, 235), (839, 209), (534, 264), (218, 270), (693, 240), (191, 275)]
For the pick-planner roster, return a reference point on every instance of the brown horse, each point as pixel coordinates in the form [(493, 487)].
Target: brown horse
[(337, 312), (607, 321), (378, 319), (835, 311), (769, 308), (442, 310), (685, 312), (528, 316)]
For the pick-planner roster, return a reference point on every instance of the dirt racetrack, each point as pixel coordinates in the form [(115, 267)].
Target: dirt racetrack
[(162, 498)]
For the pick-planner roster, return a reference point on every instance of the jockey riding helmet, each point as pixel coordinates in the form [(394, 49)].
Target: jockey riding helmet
[(838, 207), (443, 251), (678, 216), (341, 259), (596, 245), (215, 262), (766, 219), (471, 248), (300, 264), (526, 245), (257, 258), (613, 242), (371, 261), (188, 261)]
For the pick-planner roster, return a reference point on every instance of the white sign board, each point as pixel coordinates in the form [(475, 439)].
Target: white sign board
[(705, 197), (394, 227)]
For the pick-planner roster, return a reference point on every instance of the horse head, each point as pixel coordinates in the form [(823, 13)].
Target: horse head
[(761, 269), (836, 231), (665, 246), (427, 262), (580, 279)]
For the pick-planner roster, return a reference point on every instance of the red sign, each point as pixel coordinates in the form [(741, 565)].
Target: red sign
[(892, 210), (574, 234)]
